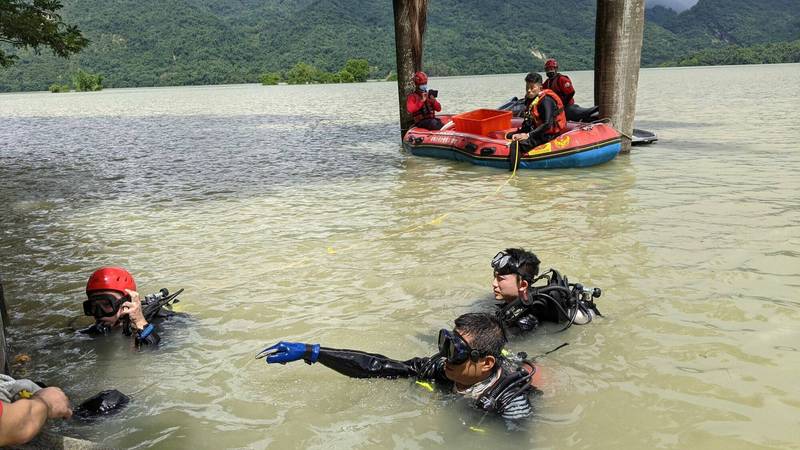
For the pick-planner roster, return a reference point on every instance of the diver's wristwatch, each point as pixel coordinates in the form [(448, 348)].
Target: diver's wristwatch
[(143, 333)]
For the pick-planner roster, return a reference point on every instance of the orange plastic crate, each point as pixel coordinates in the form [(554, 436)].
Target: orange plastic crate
[(482, 121)]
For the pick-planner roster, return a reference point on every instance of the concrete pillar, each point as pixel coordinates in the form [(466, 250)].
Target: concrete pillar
[(410, 17), (617, 57)]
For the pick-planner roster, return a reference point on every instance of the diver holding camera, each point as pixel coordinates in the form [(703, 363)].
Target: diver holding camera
[(114, 303)]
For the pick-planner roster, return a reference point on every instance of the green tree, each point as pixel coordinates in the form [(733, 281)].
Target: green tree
[(56, 88), (301, 73), (85, 81), (33, 24), (270, 78), (358, 68), (346, 77)]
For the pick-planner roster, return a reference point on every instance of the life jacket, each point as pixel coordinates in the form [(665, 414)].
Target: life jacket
[(559, 124), (426, 112)]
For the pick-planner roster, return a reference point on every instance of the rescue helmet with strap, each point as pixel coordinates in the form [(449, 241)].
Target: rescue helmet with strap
[(110, 279), (420, 78)]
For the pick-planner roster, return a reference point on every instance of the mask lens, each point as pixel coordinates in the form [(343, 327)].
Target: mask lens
[(457, 355), (103, 305), (459, 350), (500, 263), (445, 343)]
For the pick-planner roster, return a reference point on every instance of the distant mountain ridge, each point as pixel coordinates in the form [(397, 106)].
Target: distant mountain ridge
[(183, 42)]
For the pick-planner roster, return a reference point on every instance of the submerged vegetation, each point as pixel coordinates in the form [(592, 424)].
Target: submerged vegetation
[(81, 80), (85, 81), (56, 88), (354, 70)]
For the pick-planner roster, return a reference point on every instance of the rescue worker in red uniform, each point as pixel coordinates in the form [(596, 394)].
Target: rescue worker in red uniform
[(422, 105), (563, 87), (544, 118), (558, 82)]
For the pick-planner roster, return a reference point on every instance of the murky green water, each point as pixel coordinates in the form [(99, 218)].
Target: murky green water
[(237, 193)]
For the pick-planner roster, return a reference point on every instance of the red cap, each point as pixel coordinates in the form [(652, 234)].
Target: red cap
[(550, 64)]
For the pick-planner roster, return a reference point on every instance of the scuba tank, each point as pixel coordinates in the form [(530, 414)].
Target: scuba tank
[(557, 301)]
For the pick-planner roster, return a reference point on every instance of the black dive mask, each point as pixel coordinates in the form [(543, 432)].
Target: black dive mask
[(103, 305), (453, 347), (502, 264), (550, 74)]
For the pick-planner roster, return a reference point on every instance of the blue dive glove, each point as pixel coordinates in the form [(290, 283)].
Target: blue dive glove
[(284, 352)]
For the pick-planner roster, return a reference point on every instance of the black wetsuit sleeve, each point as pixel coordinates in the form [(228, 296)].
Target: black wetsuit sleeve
[(525, 128), (358, 364)]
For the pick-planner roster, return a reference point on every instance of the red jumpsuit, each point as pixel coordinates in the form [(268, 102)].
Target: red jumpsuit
[(424, 112), (562, 86)]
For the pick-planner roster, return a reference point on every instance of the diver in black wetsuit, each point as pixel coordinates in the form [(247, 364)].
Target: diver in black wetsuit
[(114, 302), (469, 363), (524, 306)]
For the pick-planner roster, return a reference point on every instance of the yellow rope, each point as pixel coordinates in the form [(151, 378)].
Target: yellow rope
[(438, 220)]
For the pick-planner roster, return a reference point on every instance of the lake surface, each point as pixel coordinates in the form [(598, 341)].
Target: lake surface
[(292, 212)]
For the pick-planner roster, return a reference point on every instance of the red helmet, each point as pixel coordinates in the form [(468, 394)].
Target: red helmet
[(420, 78), (550, 64), (110, 279)]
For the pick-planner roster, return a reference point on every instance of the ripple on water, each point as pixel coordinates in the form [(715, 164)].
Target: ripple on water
[(286, 221)]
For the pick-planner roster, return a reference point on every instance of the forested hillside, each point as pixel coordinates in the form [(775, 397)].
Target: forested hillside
[(179, 42)]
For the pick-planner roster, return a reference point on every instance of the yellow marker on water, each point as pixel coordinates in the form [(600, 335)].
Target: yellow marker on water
[(477, 430), (426, 385), (438, 220), (331, 251)]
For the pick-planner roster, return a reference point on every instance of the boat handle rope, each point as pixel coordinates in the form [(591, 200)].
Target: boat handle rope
[(607, 120)]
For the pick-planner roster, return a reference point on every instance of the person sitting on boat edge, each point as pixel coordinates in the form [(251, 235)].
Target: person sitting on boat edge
[(544, 119), (524, 306), (114, 303), (423, 105), (469, 362)]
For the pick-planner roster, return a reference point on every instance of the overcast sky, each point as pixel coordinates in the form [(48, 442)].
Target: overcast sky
[(677, 5)]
